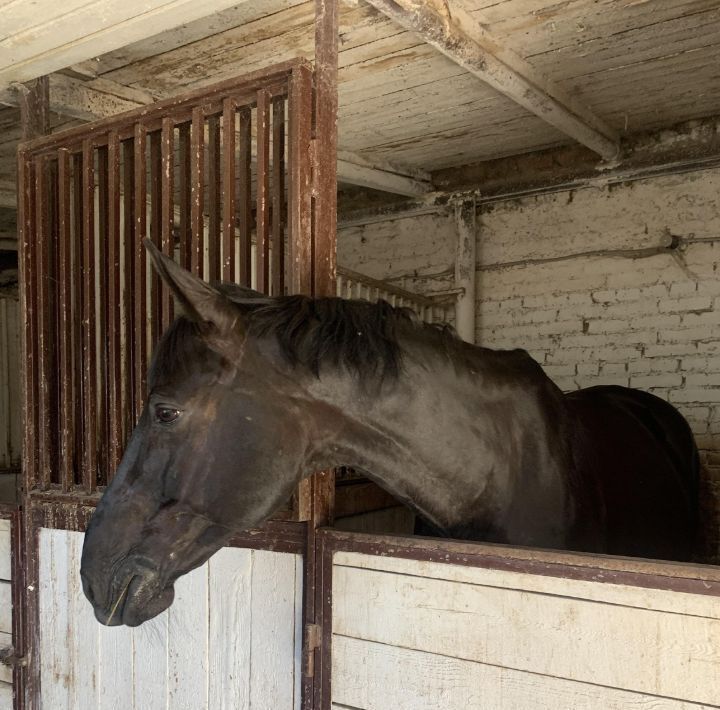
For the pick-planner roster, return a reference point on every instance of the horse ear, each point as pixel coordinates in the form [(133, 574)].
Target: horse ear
[(198, 300)]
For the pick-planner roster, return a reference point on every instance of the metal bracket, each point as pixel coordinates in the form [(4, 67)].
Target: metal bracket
[(8, 658)]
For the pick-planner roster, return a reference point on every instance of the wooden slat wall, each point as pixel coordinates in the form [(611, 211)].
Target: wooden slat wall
[(231, 640), (411, 634), (10, 429)]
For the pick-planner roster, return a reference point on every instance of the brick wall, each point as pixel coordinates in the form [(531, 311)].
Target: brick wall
[(580, 279)]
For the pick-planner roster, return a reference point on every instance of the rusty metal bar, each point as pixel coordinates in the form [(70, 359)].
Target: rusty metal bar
[(185, 195), (155, 232), (214, 192), (244, 195), (65, 279), (102, 315), (114, 373), (128, 279), (197, 182), (89, 469), (262, 210), (278, 196), (300, 195), (140, 277), (228, 191), (167, 212), (42, 270)]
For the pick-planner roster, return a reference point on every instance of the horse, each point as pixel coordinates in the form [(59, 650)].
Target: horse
[(247, 395)]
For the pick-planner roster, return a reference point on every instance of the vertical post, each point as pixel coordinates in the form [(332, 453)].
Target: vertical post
[(465, 268), (320, 488)]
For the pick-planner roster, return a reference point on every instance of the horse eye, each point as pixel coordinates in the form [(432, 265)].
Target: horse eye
[(166, 415)]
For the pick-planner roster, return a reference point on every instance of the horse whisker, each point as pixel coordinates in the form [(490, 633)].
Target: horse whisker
[(119, 599)]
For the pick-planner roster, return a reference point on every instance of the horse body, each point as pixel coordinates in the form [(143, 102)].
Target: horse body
[(248, 395)]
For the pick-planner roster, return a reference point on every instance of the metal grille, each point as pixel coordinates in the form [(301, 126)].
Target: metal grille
[(219, 179)]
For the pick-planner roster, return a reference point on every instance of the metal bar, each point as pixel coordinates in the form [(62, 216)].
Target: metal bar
[(156, 175), (262, 210), (185, 194), (89, 469), (197, 149), (244, 196), (42, 236), (214, 192), (278, 196), (102, 315), (65, 277), (228, 191), (28, 281), (114, 371), (167, 217), (128, 279), (299, 193), (140, 280)]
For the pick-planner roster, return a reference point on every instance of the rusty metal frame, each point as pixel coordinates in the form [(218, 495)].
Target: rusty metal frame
[(601, 569)]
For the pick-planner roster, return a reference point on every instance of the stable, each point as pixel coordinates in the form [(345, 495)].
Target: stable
[(540, 175)]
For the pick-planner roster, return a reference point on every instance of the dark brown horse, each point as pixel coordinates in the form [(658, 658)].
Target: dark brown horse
[(247, 395)]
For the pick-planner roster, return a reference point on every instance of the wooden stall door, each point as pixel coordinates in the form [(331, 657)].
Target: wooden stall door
[(422, 624)]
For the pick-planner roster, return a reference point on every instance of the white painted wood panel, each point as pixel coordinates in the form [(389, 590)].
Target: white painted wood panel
[(5, 555), (621, 638), (230, 640), (6, 696), (374, 676), (5, 608)]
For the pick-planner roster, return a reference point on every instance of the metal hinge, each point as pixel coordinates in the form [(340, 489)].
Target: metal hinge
[(313, 641), (8, 658)]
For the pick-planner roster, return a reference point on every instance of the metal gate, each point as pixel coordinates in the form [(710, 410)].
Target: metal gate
[(230, 182)]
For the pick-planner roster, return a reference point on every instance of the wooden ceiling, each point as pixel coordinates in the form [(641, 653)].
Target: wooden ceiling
[(638, 65)]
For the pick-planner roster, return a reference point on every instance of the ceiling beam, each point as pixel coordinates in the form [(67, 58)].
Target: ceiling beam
[(84, 100), (352, 169), (448, 27), (56, 38)]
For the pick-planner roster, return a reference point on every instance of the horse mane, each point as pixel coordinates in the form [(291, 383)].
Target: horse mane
[(358, 335)]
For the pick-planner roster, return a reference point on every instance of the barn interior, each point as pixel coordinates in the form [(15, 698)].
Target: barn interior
[(539, 174)]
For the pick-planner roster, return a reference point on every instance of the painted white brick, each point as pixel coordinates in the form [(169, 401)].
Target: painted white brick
[(683, 288), (647, 365), (703, 380), (555, 371), (612, 368), (603, 380), (665, 349), (682, 305), (588, 369), (710, 319), (685, 334), (645, 382), (696, 394)]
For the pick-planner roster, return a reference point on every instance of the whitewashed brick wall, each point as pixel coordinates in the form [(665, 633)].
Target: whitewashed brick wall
[(571, 277)]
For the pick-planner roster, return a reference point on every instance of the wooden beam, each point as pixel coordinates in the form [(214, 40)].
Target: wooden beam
[(354, 170), (445, 25), (56, 37), (33, 100)]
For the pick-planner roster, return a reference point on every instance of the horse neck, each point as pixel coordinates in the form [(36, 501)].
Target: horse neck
[(452, 441)]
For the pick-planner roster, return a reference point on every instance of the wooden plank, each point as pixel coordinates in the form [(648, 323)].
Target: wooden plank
[(5, 608), (127, 310), (262, 235), (101, 247), (6, 696), (460, 37), (150, 664), (78, 313), (54, 37), (188, 643), (6, 673), (365, 675), (156, 217), (114, 667), (185, 193), (669, 655), (620, 594), (229, 630), (273, 648), (355, 173)]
